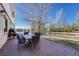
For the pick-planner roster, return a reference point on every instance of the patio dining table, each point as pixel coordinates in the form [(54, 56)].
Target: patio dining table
[(28, 37)]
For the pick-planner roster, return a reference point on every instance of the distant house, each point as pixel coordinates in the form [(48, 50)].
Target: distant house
[(21, 31), (6, 21)]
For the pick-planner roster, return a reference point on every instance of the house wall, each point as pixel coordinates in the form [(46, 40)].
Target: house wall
[(3, 35), (10, 23), (8, 8)]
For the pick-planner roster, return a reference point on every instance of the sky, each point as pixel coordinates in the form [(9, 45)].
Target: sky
[(58, 11)]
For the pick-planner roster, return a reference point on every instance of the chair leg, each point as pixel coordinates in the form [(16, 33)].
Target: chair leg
[(31, 44)]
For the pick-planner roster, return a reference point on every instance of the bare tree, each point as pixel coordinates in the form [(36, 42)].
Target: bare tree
[(43, 9), (58, 17), (35, 14)]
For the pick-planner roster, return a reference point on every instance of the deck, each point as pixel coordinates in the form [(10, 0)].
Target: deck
[(44, 48)]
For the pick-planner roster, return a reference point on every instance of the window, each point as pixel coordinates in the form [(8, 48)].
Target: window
[(5, 28)]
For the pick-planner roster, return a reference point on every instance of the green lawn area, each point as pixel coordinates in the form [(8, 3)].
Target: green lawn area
[(68, 43)]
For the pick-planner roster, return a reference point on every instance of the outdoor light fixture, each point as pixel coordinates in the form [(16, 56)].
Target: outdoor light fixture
[(3, 12)]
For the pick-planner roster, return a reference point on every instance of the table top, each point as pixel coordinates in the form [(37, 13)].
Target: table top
[(28, 36)]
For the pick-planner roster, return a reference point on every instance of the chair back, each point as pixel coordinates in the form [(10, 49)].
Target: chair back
[(35, 38), (37, 33), (21, 39)]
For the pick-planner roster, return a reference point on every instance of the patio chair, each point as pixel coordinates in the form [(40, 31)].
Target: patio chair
[(34, 41), (37, 34), (21, 40)]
